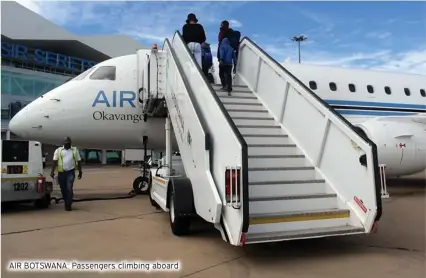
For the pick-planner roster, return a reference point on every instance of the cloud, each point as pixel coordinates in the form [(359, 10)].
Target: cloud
[(148, 21), (154, 21), (235, 23), (378, 35)]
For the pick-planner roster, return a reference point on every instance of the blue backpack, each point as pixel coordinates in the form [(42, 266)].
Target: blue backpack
[(207, 59), (234, 39)]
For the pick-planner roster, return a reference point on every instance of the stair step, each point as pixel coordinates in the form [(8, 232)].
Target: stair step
[(277, 149), (274, 204), (267, 139), (246, 106), (277, 160), (235, 88), (254, 121), (300, 234), (248, 113), (250, 99), (282, 182), (258, 129), (281, 173), (235, 94), (289, 189)]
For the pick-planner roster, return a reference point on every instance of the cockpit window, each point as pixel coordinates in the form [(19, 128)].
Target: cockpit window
[(82, 75), (104, 73)]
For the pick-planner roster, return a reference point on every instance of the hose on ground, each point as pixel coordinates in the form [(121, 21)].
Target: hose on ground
[(129, 195)]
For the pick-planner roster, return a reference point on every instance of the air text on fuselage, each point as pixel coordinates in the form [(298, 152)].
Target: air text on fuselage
[(118, 99)]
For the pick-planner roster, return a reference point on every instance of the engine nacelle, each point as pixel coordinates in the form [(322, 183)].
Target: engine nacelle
[(401, 145)]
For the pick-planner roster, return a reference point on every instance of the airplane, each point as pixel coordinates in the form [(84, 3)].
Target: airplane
[(100, 109)]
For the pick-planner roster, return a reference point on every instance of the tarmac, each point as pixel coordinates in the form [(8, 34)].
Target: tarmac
[(131, 229)]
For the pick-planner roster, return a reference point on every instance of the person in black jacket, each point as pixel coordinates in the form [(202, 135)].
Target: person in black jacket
[(193, 34)]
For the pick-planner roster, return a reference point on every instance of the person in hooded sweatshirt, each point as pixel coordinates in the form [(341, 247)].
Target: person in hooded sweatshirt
[(207, 59), (227, 58), (194, 36)]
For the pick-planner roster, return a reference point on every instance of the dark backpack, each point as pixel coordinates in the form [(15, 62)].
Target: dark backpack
[(207, 59), (234, 39)]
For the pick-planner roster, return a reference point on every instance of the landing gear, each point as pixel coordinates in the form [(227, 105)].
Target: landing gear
[(142, 184)]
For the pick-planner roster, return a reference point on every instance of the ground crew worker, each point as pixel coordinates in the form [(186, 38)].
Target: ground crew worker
[(66, 158)]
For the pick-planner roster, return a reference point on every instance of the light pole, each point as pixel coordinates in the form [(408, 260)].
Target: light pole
[(299, 39)]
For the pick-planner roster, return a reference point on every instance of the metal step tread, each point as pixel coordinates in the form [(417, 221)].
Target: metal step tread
[(256, 119), (259, 126), (264, 135), (247, 110), (242, 103), (294, 168), (271, 145), (266, 156), (238, 97), (271, 218), (285, 182), (306, 233), (293, 197), (233, 86)]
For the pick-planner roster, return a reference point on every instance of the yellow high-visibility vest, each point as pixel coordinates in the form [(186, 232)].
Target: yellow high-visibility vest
[(60, 161)]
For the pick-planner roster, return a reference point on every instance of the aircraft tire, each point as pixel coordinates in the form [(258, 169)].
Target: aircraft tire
[(141, 185)]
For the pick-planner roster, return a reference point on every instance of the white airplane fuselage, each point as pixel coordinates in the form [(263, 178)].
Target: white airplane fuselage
[(107, 114)]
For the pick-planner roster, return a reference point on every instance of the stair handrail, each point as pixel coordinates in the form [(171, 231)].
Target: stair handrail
[(188, 88), (238, 135), (375, 166)]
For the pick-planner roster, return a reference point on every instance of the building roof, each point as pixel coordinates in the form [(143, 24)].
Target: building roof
[(42, 33)]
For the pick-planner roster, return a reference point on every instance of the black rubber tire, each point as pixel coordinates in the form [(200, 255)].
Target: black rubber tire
[(137, 185), (179, 225), (43, 203)]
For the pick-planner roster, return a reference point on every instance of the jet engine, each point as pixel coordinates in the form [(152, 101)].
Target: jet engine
[(401, 144)]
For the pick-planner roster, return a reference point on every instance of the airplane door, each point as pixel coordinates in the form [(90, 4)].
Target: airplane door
[(142, 78)]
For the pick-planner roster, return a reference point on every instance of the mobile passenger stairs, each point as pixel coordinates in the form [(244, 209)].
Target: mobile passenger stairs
[(271, 162)]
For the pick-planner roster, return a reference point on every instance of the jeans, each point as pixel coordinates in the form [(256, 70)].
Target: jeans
[(66, 182), (225, 74), (195, 49)]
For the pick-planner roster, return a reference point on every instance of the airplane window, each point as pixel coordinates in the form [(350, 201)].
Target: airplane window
[(104, 73), (82, 75), (422, 92), (387, 90), (370, 89), (352, 88), (407, 91), (313, 85), (333, 86)]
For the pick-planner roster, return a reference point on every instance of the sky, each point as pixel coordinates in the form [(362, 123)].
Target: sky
[(388, 36)]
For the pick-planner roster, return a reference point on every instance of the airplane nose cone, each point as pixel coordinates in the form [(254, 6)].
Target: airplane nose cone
[(19, 124)]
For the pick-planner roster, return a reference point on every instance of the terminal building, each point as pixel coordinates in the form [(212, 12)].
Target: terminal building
[(38, 55)]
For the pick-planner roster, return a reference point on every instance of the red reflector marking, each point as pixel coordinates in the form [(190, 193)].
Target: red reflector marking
[(243, 238), (360, 204)]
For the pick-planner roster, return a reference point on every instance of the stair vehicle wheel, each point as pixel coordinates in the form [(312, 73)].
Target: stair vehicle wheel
[(43, 203), (179, 224), (141, 185)]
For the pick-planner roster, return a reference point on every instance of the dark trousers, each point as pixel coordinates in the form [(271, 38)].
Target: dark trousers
[(66, 182), (206, 72), (226, 76)]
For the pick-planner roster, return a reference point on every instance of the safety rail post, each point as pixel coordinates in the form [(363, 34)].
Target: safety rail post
[(235, 180), (384, 192)]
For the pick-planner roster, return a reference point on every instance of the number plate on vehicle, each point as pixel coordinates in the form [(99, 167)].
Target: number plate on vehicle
[(20, 186)]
